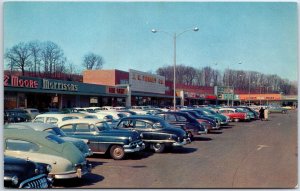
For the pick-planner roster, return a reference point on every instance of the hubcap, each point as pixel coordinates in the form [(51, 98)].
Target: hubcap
[(118, 152)]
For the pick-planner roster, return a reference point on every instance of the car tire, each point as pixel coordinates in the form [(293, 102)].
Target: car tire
[(158, 147), (117, 152), (236, 120), (190, 135)]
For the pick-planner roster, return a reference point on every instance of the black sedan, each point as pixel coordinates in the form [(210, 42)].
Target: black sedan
[(155, 132), (20, 173), (184, 121)]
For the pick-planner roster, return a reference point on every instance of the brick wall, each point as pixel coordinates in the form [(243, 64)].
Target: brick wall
[(101, 77)]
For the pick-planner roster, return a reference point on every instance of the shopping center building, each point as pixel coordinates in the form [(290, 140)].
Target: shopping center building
[(121, 88)]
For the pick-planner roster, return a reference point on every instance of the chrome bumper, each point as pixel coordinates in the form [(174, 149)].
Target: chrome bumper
[(184, 142), (202, 132), (75, 174), (130, 149)]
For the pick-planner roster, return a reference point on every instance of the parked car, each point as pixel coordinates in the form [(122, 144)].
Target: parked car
[(127, 112), (235, 114), (208, 123), (21, 173), (103, 139), (184, 121), (16, 115), (255, 113), (114, 113), (277, 110), (58, 117), (42, 147), (209, 113), (252, 115), (224, 120), (155, 132), (32, 112), (79, 143), (10, 117)]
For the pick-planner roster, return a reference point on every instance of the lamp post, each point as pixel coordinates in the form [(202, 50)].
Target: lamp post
[(175, 36), (228, 85)]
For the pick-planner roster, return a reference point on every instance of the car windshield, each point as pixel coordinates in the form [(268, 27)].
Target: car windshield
[(56, 131), (211, 112), (102, 126), (240, 110)]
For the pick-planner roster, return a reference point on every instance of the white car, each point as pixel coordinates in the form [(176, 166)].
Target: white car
[(115, 114), (57, 118)]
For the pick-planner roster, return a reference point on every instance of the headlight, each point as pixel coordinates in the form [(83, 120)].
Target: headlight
[(15, 180), (130, 139), (49, 168), (36, 171)]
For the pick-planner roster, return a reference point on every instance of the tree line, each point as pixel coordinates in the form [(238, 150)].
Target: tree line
[(46, 59), (254, 81)]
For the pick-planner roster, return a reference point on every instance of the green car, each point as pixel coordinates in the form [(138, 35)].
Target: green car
[(65, 159), (277, 110), (51, 128), (222, 119)]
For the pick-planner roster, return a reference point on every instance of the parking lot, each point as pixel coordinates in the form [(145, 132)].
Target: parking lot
[(257, 154)]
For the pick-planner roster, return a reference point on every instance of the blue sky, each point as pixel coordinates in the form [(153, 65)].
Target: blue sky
[(262, 36)]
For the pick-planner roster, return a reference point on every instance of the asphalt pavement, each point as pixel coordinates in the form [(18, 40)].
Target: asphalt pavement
[(256, 154)]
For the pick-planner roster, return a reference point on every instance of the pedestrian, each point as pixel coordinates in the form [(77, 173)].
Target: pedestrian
[(261, 113), (266, 114)]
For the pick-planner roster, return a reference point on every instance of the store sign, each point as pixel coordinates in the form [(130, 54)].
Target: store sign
[(145, 82), (228, 96), (115, 90), (212, 97), (16, 81), (220, 90), (53, 85), (260, 96)]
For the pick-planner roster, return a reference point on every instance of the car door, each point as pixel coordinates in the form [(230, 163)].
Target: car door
[(87, 131), (145, 128)]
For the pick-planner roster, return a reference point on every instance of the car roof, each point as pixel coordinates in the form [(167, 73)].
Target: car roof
[(89, 121), (143, 117), (30, 125), (59, 115)]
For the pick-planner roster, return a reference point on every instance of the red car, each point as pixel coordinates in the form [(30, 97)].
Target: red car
[(234, 114)]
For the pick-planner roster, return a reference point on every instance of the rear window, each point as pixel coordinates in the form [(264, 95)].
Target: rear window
[(21, 145), (68, 118), (34, 111), (55, 139)]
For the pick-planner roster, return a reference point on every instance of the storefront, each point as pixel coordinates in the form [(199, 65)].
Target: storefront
[(141, 88), (261, 99), (48, 93)]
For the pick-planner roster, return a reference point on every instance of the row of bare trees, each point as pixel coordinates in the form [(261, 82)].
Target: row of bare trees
[(239, 79), (46, 59)]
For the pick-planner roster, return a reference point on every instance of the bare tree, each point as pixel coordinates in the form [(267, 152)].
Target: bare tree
[(52, 57), (19, 56), (92, 61), (166, 71), (35, 49)]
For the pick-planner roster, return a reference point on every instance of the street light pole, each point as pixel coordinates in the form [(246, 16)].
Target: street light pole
[(174, 83), (174, 59), (249, 90)]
